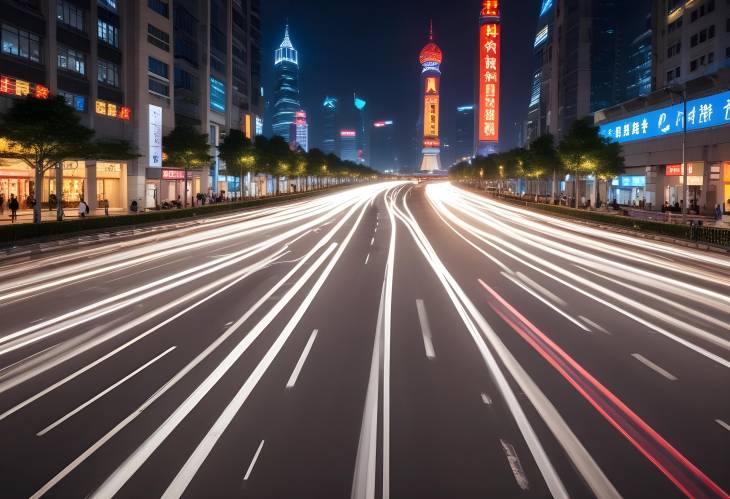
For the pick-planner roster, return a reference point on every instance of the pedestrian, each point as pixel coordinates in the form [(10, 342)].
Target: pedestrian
[(83, 208), (13, 205), (133, 207), (718, 212), (105, 203), (2, 203)]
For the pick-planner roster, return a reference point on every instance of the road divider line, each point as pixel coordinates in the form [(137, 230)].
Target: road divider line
[(367, 259), (102, 393), (486, 399), (654, 367), (515, 465), (542, 289), (723, 424), (425, 329), (302, 359), (253, 461), (372, 241), (594, 325)]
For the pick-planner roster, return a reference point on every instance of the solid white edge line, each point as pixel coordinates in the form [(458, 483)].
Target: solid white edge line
[(654, 367), (253, 461), (302, 359), (425, 329), (102, 393)]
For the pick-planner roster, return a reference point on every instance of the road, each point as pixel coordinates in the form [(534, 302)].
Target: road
[(388, 340)]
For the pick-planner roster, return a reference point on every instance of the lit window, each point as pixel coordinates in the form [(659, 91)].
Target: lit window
[(217, 95), (19, 43), (71, 60), (108, 73), (70, 15), (108, 33), (78, 102)]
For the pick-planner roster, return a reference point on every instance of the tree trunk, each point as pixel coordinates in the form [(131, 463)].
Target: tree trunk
[(575, 190), (37, 192), (59, 192), (185, 194), (555, 185), (594, 192)]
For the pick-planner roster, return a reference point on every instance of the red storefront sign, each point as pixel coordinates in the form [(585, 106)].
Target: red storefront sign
[(173, 174), (676, 170), (21, 88), (489, 79)]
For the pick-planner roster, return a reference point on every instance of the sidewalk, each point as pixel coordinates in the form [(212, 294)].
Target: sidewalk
[(26, 216)]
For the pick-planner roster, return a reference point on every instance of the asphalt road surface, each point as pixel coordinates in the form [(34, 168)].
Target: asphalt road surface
[(388, 340)]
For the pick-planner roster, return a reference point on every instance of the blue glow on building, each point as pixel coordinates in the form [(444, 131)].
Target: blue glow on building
[(546, 6), (629, 181), (360, 103), (217, 95), (461, 109), (705, 112), (541, 36)]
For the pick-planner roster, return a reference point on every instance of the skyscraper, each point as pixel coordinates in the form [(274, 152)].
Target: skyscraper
[(430, 60), (463, 145), (329, 125), (348, 145), (383, 156), (299, 132), (363, 134), (286, 87)]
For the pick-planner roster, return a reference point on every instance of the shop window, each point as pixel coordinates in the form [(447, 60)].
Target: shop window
[(20, 43)]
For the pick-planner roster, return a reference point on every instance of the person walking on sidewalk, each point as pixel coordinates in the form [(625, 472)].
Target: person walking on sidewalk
[(2, 203), (83, 208), (105, 204), (13, 204)]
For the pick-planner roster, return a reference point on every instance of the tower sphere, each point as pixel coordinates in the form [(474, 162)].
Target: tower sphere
[(431, 53)]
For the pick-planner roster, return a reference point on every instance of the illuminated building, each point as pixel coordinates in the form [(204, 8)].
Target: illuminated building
[(463, 145), (383, 156), (363, 134), (329, 125), (430, 60), (286, 89), (299, 132), (348, 145), (133, 70), (489, 77)]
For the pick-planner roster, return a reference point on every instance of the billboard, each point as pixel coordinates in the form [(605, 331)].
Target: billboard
[(155, 136), (489, 79), (431, 116), (705, 112)]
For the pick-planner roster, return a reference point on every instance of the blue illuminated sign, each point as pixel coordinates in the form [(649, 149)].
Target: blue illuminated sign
[(541, 36), (217, 95), (706, 112), (546, 5), (629, 181)]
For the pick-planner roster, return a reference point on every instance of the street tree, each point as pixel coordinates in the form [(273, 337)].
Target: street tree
[(187, 148), (238, 153), (579, 151), (544, 158)]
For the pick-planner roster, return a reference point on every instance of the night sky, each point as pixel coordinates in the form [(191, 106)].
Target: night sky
[(372, 48)]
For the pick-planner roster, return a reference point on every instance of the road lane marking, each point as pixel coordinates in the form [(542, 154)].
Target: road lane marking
[(253, 461), (723, 424), (372, 241), (302, 359), (367, 258), (486, 399), (227, 323), (654, 367), (515, 465), (102, 393), (594, 325), (542, 290), (425, 329)]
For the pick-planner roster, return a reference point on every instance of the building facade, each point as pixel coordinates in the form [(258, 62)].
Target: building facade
[(133, 71), (463, 144), (299, 132), (286, 87), (692, 39), (348, 145), (383, 155)]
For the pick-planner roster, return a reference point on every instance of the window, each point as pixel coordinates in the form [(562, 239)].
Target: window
[(710, 6), (70, 15), (710, 58), (693, 17), (159, 6), (78, 102), (159, 88), (22, 44), (703, 35), (217, 95), (71, 60), (185, 80), (693, 41), (108, 4), (107, 33), (711, 32), (108, 73), (158, 38), (158, 68)]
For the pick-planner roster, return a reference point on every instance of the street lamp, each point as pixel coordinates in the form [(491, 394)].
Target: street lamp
[(682, 90)]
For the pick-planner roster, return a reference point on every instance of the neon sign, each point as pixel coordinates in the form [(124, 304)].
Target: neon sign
[(113, 110), (490, 8), (431, 116), (489, 79), (546, 6), (21, 88), (705, 112), (348, 133)]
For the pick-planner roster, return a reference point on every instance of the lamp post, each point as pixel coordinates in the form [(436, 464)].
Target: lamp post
[(682, 90)]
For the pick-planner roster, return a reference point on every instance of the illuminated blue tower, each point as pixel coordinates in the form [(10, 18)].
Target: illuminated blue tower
[(286, 87), (363, 134)]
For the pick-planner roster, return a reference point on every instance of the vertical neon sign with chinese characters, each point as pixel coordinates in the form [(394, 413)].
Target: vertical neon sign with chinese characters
[(489, 72)]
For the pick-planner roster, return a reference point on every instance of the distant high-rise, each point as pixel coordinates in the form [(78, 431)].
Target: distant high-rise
[(383, 155), (299, 132), (638, 76), (286, 87), (348, 145), (329, 125), (463, 144), (363, 134)]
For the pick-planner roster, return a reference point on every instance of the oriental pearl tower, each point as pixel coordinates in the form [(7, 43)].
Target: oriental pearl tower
[(430, 59)]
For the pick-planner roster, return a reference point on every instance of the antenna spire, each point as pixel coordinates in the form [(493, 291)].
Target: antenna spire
[(430, 31)]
